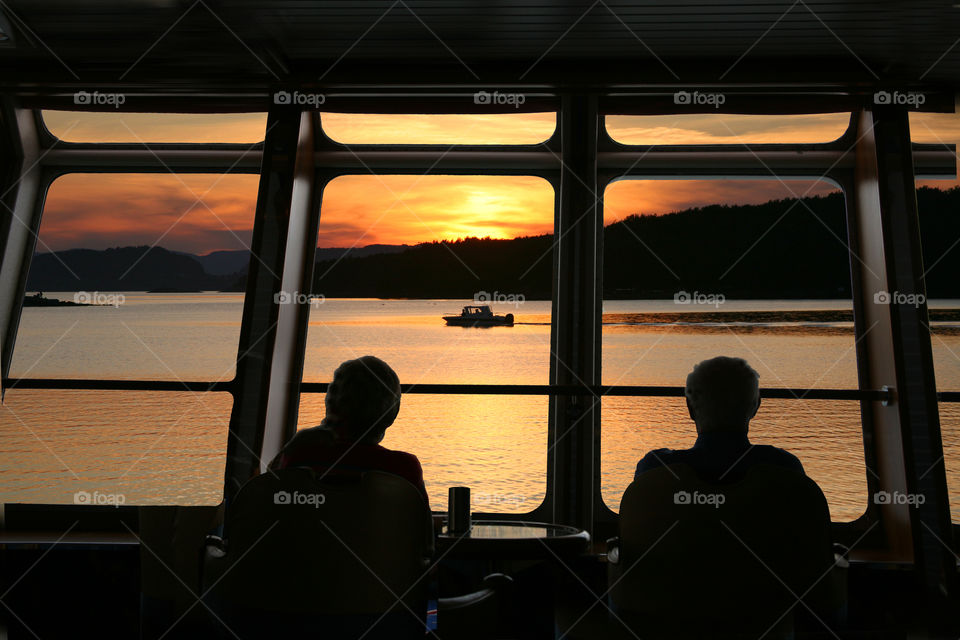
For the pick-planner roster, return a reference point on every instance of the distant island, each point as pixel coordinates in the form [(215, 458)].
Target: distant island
[(38, 300), (779, 249)]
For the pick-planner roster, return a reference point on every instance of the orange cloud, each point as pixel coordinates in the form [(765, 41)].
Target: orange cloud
[(76, 126), (656, 197), (366, 209), (707, 128), (499, 128), (198, 213)]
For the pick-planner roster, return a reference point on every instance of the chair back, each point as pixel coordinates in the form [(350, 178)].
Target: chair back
[(305, 552), (738, 555)]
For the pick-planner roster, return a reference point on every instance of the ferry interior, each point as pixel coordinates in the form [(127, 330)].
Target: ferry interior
[(345, 96)]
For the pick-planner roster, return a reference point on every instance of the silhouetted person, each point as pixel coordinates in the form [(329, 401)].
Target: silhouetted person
[(723, 395), (362, 401)]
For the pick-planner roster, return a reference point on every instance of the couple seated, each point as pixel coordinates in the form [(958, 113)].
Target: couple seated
[(722, 396), (364, 399)]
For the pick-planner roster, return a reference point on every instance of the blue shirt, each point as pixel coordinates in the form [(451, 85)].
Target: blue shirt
[(720, 457)]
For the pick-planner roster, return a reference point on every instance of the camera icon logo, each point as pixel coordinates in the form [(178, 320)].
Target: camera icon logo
[(682, 297), (881, 297), (281, 97), (482, 97), (282, 497), (282, 297), (482, 296), (82, 497), (682, 97), (882, 497), (882, 97), (81, 97), (682, 497)]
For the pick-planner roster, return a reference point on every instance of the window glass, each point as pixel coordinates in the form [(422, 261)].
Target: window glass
[(756, 269), (727, 128), (113, 447), (413, 128), (105, 126), (138, 276), (494, 444), (398, 253)]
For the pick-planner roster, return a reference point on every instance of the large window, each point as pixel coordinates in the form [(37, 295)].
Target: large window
[(756, 269), (397, 253), (135, 277)]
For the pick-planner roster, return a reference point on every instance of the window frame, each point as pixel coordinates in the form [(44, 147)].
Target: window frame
[(610, 159)]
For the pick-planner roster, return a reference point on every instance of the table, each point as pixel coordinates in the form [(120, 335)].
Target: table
[(536, 555), (514, 538)]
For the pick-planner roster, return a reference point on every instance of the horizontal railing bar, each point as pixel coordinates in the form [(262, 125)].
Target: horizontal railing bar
[(611, 390), (462, 389), (116, 385)]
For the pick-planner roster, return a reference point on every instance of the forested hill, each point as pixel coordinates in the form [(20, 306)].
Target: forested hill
[(779, 249)]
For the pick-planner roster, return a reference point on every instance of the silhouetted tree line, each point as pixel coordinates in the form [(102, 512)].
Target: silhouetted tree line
[(779, 249)]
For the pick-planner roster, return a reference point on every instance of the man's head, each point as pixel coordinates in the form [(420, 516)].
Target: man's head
[(723, 394), (363, 399)]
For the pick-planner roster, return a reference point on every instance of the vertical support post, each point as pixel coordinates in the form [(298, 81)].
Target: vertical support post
[(893, 300), (575, 432), (20, 207), (275, 312)]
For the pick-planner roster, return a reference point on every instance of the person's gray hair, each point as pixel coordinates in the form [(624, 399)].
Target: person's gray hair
[(364, 398), (723, 392)]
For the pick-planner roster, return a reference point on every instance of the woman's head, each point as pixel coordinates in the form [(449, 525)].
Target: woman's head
[(363, 399)]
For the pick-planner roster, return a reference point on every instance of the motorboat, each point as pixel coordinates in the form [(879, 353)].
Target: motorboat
[(479, 316)]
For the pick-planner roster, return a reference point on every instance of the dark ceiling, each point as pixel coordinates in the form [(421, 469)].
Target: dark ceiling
[(197, 45)]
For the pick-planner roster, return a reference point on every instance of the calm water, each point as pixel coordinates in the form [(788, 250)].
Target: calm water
[(168, 447)]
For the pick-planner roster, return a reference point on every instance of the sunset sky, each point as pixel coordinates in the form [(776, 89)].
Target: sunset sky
[(203, 213)]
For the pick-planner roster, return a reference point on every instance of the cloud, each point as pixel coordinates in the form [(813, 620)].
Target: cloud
[(501, 128), (396, 209), (678, 129), (97, 211), (76, 126), (657, 197)]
